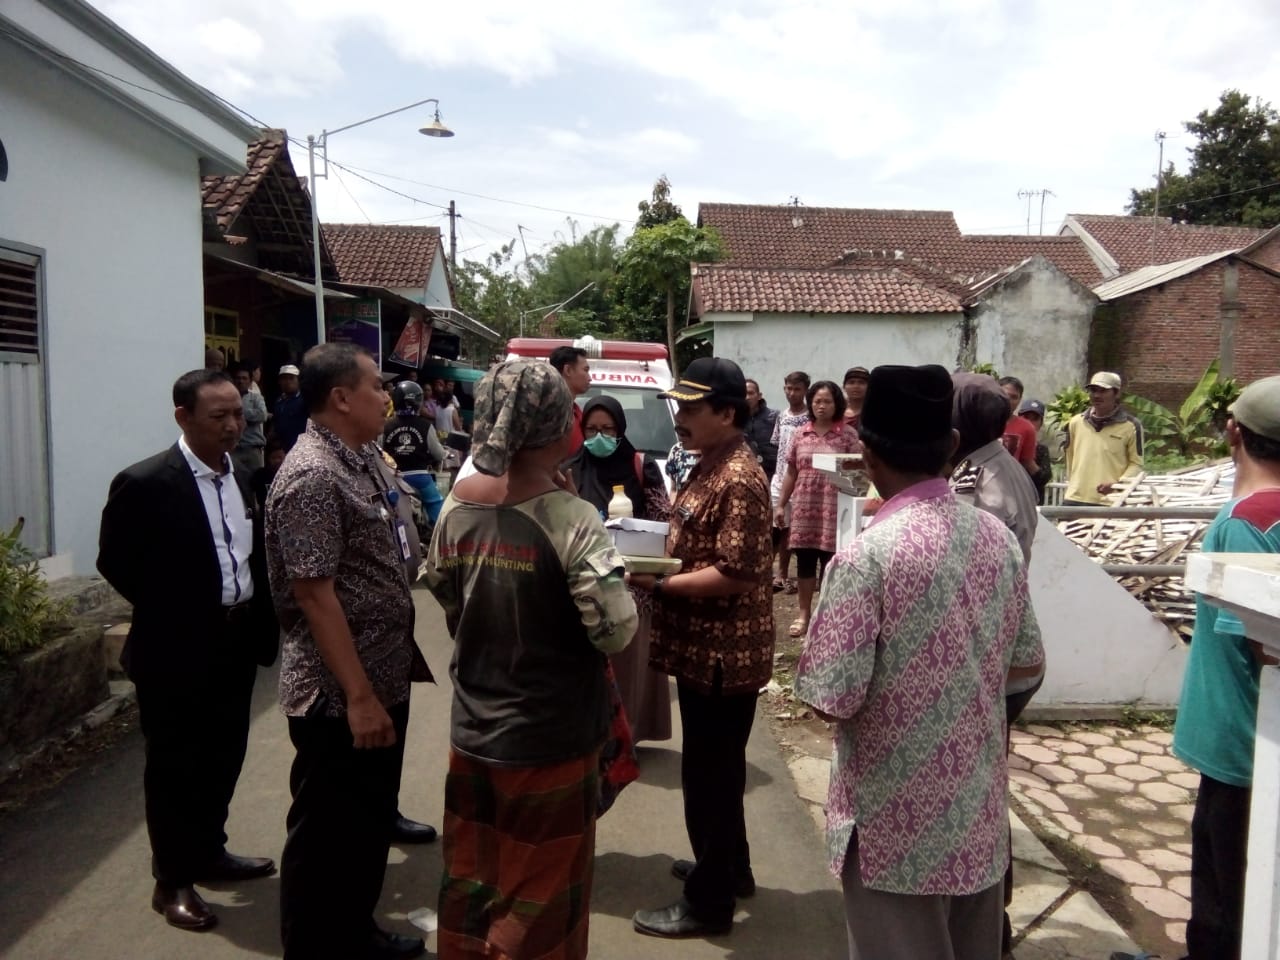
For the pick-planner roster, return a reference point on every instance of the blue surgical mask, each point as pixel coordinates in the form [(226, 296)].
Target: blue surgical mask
[(601, 445)]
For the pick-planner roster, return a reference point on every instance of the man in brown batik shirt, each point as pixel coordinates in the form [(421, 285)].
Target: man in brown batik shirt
[(713, 631)]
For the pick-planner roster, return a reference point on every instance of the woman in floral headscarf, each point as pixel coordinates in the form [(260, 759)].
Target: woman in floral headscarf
[(534, 597)]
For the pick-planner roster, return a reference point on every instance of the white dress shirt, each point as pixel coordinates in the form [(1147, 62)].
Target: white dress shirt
[(229, 522)]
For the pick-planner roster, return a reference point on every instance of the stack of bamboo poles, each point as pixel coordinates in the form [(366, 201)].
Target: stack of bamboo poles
[(1157, 541)]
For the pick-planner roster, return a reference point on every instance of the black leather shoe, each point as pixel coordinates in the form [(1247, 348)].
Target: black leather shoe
[(182, 907), (746, 883), (677, 921), (405, 830), (385, 945), (228, 868)]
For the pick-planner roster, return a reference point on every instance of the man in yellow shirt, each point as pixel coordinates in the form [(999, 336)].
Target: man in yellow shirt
[(1104, 444)]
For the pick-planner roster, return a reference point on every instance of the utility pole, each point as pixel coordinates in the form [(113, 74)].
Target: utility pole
[(453, 238), (1046, 192), (1160, 135)]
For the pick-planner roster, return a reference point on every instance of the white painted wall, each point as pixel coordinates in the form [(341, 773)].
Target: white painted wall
[(115, 205), (771, 345), (1101, 645), (438, 285), (1035, 326)]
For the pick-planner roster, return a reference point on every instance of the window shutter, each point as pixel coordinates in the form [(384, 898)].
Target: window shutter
[(19, 305)]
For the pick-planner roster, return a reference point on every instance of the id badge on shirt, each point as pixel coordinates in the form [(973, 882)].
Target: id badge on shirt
[(402, 537)]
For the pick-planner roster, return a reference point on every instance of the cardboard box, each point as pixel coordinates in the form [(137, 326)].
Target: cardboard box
[(639, 538)]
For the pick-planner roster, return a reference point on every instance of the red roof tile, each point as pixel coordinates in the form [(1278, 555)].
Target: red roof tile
[(873, 288), (1128, 240), (225, 197), (787, 236), (384, 255)]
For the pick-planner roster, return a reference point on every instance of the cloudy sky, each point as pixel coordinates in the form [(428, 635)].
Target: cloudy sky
[(568, 108)]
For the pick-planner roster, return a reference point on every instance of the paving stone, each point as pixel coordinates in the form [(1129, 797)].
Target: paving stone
[(1136, 772), (1115, 755), (1048, 799), (1142, 746), (1034, 891), (1181, 886), (1163, 903), (1085, 764), (1035, 753), (1191, 781), (1040, 730), (1028, 780), (1164, 828), (1183, 811), (1137, 804), (1075, 791), (1069, 823), (1055, 773), (1162, 737), (1116, 733), (1130, 871), (1021, 736), (812, 776), (1028, 848), (1134, 838), (1166, 861), (1181, 848), (1078, 928), (1108, 782), (1162, 792), (1102, 815), (1018, 763), (1163, 762), (1176, 931), (1099, 847), (1091, 738), (1064, 746)]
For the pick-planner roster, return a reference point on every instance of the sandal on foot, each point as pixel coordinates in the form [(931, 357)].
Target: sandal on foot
[(791, 586), (798, 628), (779, 584)]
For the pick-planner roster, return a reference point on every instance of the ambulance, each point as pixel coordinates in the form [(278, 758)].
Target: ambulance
[(633, 374)]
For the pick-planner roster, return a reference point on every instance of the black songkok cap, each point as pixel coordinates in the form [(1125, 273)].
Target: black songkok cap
[(908, 404)]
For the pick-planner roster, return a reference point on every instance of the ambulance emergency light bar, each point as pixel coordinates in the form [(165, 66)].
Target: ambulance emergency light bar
[(596, 349)]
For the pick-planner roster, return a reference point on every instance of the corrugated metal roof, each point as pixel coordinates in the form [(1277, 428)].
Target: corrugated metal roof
[(1155, 275)]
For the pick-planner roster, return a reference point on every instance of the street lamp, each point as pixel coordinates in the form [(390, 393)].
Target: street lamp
[(433, 129)]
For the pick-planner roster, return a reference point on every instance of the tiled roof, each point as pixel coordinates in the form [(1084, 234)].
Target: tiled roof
[(1129, 240), (788, 236), (385, 255), (758, 235), (874, 288), (225, 197)]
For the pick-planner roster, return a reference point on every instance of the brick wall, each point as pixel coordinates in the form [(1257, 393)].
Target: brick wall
[(1161, 339)]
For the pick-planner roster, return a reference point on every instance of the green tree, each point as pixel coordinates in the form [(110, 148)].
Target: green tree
[(587, 261), (660, 208), (658, 258), (1233, 176), (491, 292)]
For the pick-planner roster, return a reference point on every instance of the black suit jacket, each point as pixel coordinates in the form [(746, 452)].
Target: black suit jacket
[(156, 548)]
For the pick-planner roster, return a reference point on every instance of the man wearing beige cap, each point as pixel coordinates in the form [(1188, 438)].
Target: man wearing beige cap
[(1104, 444), (1218, 709)]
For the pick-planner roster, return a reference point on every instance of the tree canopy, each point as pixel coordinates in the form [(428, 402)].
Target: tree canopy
[(1233, 173)]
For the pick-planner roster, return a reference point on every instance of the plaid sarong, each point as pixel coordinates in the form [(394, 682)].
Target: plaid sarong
[(519, 845)]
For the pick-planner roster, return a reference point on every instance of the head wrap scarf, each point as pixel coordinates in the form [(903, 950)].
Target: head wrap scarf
[(979, 410), (520, 404)]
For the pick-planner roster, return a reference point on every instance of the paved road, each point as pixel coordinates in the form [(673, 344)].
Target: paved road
[(75, 881)]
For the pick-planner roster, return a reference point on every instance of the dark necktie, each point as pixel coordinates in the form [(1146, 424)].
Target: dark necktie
[(226, 536)]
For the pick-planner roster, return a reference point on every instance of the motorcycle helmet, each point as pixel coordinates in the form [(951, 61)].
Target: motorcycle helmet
[(406, 397)]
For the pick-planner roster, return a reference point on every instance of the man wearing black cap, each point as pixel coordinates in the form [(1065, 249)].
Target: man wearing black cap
[(922, 621), (713, 631)]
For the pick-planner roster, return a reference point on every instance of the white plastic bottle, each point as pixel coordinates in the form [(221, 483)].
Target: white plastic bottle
[(619, 504)]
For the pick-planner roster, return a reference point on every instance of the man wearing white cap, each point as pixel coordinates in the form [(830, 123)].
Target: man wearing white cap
[(1104, 444), (1218, 709), (290, 409)]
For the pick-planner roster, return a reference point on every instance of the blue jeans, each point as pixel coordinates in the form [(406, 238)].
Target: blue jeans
[(425, 484)]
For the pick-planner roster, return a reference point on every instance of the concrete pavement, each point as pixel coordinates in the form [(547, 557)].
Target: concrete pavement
[(75, 880)]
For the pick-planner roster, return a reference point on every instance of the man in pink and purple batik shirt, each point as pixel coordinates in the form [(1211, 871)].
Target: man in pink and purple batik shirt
[(921, 622)]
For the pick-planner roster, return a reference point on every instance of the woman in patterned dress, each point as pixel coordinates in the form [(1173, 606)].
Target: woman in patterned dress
[(813, 500)]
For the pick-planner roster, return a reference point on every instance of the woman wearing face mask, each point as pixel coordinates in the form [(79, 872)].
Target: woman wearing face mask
[(607, 460)]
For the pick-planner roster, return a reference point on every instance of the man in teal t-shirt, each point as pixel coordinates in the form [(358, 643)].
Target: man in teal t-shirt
[(1217, 714)]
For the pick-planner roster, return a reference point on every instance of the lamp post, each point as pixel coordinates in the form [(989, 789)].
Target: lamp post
[(433, 129)]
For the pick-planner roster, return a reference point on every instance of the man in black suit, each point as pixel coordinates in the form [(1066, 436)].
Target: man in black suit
[(181, 540)]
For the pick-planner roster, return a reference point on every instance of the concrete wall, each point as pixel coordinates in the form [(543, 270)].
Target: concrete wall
[(115, 205), (438, 285), (1102, 647), (1035, 326), (771, 345)]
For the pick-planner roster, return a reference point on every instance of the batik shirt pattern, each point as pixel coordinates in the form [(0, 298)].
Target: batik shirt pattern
[(784, 434), (919, 621)]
